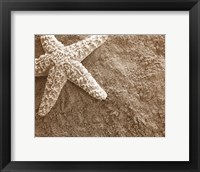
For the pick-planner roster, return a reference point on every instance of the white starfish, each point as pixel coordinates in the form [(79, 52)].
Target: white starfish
[(62, 63)]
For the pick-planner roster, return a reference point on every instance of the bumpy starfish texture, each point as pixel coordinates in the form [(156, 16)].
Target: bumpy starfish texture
[(61, 63)]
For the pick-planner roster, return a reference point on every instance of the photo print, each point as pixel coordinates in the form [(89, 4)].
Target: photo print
[(100, 85)]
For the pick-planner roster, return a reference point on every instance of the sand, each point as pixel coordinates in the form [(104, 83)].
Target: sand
[(131, 69)]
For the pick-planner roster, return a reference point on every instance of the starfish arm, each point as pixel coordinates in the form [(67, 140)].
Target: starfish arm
[(55, 82), (50, 43), (82, 49), (42, 65), (80, 76)]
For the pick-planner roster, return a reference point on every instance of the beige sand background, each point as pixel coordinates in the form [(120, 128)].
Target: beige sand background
[(131, 69)]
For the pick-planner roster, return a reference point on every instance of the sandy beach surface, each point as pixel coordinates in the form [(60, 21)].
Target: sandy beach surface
[(131, 69)]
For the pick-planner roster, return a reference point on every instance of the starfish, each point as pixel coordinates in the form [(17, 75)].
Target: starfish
[(61, 63)]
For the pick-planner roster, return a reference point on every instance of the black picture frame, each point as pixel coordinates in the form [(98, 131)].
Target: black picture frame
[(6, 6)]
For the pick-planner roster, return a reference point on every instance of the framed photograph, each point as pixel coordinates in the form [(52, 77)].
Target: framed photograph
[(101, 86)]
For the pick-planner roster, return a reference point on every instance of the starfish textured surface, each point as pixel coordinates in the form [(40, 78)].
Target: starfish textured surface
[(61, 63)]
